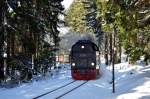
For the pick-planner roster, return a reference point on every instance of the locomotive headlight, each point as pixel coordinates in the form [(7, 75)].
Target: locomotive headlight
[(82, 46), (73, 64), (92, 64)]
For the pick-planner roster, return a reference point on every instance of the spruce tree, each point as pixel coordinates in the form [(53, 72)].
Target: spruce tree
[(92, 21), (24, 24)]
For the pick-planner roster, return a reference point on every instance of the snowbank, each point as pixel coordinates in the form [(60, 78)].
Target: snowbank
[(131, 81)]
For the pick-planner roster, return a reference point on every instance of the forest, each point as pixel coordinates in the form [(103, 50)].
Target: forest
[(29, 36)]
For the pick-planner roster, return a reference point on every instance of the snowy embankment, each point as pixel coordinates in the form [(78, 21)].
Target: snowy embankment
[(35, 88), (132, 82), (136, 86)]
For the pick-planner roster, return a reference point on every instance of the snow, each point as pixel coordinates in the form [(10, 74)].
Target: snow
[(61, 91), (63, 30), (131, 81), (30, 90)]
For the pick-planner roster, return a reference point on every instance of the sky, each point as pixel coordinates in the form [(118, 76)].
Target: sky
[(67, 3)]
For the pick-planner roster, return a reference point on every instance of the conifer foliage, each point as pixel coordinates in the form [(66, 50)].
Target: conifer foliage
[(24, 25), (126, 22), (92, 20)]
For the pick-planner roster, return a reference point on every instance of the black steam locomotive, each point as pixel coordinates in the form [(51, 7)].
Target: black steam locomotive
[(84, 60)]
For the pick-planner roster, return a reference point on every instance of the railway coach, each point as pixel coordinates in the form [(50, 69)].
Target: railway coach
[(84, 58)]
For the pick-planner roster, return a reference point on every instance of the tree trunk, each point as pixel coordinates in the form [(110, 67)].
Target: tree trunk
[(106, 49), (110, 47), (1, 42), (114, 45), (12, 44), (120, 51)]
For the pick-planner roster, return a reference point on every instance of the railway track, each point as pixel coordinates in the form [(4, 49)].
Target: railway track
[(61, 91), (58, 97)]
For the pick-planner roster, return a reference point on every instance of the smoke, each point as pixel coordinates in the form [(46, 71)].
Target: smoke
[(70, 39), (87, 37)]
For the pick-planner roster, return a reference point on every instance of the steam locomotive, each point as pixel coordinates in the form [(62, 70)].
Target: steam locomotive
[(84, 59)]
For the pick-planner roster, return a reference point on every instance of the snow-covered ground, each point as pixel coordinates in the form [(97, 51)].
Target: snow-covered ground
[(132, 82)]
